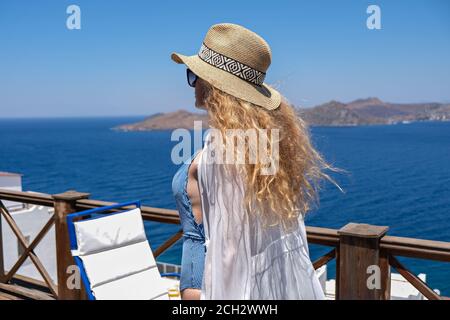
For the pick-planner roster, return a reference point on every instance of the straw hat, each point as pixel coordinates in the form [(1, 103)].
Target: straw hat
[(234, 60)]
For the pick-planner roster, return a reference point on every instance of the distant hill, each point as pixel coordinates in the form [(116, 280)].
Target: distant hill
[(372, 111), (166, 121), (333, 113)]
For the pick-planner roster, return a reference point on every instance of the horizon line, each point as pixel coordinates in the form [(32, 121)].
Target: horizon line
[(156, 112)]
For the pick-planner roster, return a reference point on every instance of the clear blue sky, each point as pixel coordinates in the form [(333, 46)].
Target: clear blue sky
[(118, 63)]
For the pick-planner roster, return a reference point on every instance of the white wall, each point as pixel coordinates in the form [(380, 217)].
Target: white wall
[(11, 182)]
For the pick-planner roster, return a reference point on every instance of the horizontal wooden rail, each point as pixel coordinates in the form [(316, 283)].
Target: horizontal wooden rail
[(40, 199), (20, 292), (322, 236), (30, 283), (416, 248)]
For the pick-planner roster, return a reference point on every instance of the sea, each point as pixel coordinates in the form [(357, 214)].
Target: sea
[(396, 175)]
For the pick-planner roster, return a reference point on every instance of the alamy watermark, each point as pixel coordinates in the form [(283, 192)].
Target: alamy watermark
[(73, 21), (73, 281), (373, 22), (238, 146), (374, 278)]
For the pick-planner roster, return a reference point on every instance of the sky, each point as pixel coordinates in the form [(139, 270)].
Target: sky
[(119, 63)]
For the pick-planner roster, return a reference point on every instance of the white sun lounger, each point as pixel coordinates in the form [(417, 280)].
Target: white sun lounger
[(114, 257)]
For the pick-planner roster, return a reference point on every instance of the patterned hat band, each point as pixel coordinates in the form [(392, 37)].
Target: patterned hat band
[(231, 66)]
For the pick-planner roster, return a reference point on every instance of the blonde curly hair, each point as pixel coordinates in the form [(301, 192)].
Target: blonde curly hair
[(295, 185)]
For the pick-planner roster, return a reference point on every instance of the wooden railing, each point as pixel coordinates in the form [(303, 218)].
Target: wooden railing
[(360, 250)]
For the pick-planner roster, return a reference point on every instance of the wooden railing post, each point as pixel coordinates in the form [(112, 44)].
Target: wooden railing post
[(65, 203), (363, 271)]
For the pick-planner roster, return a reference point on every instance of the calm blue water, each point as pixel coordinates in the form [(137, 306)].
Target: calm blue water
[(398, 175)]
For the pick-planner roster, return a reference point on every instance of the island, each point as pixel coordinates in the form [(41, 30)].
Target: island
[(369, 111)]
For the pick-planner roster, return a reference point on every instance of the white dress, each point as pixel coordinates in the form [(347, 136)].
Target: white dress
[(245, 260)]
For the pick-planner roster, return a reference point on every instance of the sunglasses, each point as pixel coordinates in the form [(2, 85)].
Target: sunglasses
[(191, 77)]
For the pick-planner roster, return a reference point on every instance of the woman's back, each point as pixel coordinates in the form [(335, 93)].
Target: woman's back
[(246, 259)]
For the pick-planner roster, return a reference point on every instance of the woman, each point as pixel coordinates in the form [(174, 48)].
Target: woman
[(252, 217)]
